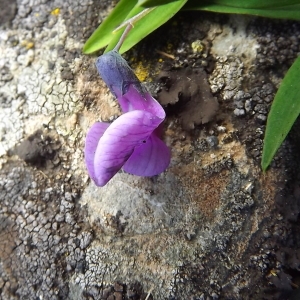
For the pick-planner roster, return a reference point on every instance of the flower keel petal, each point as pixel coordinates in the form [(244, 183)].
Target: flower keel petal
[(149, 159)]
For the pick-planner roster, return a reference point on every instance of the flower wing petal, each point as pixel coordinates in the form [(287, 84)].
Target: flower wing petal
[(119, 141), (92, 139), (149, 159)]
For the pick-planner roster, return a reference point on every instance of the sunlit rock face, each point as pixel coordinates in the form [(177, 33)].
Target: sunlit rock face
[(211, 225)]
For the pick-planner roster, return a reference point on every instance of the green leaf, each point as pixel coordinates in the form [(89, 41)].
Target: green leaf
[(148, 23), (270, 4), (103, 34), (284, 111), (151, 3), (291, 12)]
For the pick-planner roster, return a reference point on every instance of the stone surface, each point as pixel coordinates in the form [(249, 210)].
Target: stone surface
[(213, 226)]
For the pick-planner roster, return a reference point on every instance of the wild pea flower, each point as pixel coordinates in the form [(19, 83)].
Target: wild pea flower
[(132, 141)]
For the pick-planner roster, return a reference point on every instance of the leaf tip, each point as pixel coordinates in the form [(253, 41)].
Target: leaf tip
[(264, 165)]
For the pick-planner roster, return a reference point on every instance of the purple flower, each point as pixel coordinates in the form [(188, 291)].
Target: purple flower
[(132, 141)]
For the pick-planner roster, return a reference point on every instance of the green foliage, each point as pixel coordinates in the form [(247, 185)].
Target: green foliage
[(252, 4), (125, 10), (151, 3), (103, 34), (286, 106), (165, 9), (144, 26), (279, 10), (284, 111)]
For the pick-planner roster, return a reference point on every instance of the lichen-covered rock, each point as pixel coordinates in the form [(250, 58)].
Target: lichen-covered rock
[(213, 226)]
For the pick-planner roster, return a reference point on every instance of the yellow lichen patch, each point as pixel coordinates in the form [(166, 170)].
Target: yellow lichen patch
[(27, 44), (55, 12), (141, 72), (197, 46)]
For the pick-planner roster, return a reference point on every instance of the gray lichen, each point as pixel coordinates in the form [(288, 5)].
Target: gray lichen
[(212, 226)]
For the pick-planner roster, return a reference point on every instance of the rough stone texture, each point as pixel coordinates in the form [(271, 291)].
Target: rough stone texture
[(213, 226), (190, 92), (7, 11)]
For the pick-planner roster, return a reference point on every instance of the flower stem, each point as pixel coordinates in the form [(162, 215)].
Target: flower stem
[(129, 24), (120, 42)]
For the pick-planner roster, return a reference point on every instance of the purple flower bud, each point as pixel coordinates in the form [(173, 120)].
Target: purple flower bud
[(124, 84), (131, 142)]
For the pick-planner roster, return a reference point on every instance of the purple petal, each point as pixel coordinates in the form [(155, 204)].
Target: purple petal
[(134, 99), (149, 159), (119, 140), (92, 139), (124, 84)]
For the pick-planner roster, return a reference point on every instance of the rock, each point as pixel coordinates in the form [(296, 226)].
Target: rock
[(212, 226)]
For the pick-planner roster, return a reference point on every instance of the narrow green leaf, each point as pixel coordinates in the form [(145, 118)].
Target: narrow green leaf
[(284, 111), (148, 23), (290, 11), (103, 34), (151, 3), (246, 3), (116, 35)]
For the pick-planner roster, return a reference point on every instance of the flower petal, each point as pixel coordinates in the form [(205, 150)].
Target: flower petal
[(116, 72), (119, 140), (92, 139), (149, 159), (124, 84), (134, 99)]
